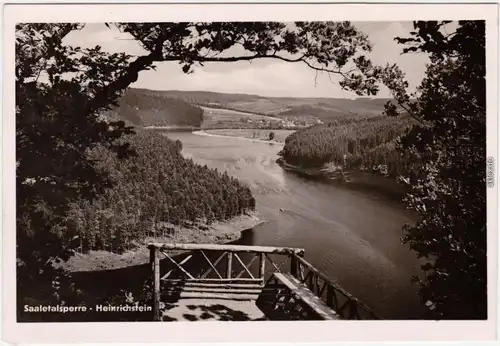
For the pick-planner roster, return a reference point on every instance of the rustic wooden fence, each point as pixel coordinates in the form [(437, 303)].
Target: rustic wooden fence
[(334, 296), (233, 271)]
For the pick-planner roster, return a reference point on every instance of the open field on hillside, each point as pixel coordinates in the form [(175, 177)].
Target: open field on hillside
[(226, 118), (228, 113)]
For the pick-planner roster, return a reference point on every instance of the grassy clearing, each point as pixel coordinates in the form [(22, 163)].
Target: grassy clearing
[(226, 118), (232, 114)]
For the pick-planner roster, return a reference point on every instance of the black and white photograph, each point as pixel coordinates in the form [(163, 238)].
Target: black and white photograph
[(275, 170)]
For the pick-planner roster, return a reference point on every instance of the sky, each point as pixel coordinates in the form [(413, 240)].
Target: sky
[(265, 77)]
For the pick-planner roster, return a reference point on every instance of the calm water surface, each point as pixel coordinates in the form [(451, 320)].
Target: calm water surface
[(352, 236)]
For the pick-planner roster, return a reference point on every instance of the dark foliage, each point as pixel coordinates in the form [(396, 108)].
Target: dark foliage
[(449, 183), (53, 136)]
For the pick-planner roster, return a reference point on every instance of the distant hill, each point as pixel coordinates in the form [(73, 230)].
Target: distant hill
[(143, 107), (283, 107)]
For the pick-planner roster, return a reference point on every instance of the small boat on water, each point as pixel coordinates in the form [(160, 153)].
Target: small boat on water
[(281, 209)]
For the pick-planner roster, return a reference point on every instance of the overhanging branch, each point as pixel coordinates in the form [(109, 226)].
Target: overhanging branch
[(131, 75)]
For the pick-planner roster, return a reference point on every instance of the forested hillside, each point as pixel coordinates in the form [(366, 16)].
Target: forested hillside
[(365, 141), (144, 107), (156, 188)]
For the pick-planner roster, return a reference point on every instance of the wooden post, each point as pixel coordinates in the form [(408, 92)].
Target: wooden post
[(293, 266), (329, 296), (155, 268), (352, 309), (229, 264), (262, 267), (311, 280)]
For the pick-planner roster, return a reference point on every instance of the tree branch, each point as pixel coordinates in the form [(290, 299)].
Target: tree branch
[(101, 98)]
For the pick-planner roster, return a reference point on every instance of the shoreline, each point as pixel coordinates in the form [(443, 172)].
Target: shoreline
[(354, 179), (172, 127), (220, 232), (204, 133), (327, 173)]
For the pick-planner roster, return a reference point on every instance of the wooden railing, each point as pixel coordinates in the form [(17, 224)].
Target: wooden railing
[(231, 266), (342, 302), (217, 264)]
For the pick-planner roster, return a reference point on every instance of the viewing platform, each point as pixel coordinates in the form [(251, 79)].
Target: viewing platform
[(196, 282)]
